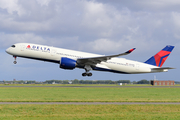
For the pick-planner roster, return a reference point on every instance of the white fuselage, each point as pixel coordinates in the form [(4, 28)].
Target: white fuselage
[(53, 54)]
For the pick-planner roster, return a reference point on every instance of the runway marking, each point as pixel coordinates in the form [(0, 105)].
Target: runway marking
[(93, 103)]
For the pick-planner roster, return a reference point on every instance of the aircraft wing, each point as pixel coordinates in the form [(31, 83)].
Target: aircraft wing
[(96, 60)]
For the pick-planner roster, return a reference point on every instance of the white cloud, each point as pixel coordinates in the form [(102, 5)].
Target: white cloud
[(83, 23), (17, 26), (104, 45), (98, 26), (11, 6), (43, 2), (9, 39), (176, 18), (145, 5), (160, 3), (104, 20)]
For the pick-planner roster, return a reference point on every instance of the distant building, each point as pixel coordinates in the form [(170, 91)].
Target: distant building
[(157, 82), (53, 82), (119, 83)]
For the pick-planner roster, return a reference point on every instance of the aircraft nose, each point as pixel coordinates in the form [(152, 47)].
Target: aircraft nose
[(8, 50)]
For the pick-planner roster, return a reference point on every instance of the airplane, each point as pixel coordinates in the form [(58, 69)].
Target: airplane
[(70, 59)]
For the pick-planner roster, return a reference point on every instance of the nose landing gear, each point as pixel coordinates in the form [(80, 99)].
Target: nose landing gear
[(15, 62)]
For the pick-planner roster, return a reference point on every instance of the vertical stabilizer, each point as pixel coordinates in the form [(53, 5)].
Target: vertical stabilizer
[(160, 57)]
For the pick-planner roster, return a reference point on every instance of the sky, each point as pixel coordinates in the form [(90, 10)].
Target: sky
[(104, 27)]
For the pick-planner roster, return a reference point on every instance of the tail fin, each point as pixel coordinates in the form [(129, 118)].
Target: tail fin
[(160, 57)]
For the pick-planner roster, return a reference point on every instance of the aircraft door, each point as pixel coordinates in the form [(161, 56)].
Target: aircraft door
[(53, 52), (22, 47), (137, 66)]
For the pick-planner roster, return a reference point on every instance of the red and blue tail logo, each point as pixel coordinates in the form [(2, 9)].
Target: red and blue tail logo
[(160, 57)]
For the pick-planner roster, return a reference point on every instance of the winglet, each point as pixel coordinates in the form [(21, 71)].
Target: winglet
[(129, 51)]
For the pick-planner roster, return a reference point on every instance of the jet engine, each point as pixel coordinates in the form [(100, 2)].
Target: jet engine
[(67, 63)]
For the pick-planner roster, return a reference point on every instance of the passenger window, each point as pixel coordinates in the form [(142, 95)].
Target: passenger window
[(13, 46)]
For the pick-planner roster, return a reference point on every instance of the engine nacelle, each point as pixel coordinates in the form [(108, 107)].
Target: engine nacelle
[(67, 63)]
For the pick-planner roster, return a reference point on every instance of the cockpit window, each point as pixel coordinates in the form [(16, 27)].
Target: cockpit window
[(13, 46)]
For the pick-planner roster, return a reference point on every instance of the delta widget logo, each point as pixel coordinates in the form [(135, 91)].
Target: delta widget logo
[(38, 48), (28, 46)]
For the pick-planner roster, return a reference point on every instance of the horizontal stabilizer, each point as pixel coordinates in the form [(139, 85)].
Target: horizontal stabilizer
[(162, 68)]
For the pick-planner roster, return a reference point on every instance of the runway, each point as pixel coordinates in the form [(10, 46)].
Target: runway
[(103, 86), (90, 103)]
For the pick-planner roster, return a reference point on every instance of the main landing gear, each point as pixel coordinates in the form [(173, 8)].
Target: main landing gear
[(87, 73), (15, 62)]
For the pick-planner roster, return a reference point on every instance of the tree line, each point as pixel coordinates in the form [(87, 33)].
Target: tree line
[(75, 81), (86, 81)]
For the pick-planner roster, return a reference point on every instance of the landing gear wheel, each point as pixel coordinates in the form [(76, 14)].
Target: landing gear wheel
[(15, 62), (89, 74), (84, 74)]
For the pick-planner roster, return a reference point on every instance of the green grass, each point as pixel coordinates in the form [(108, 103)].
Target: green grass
[(88, 94), (90, 112)]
